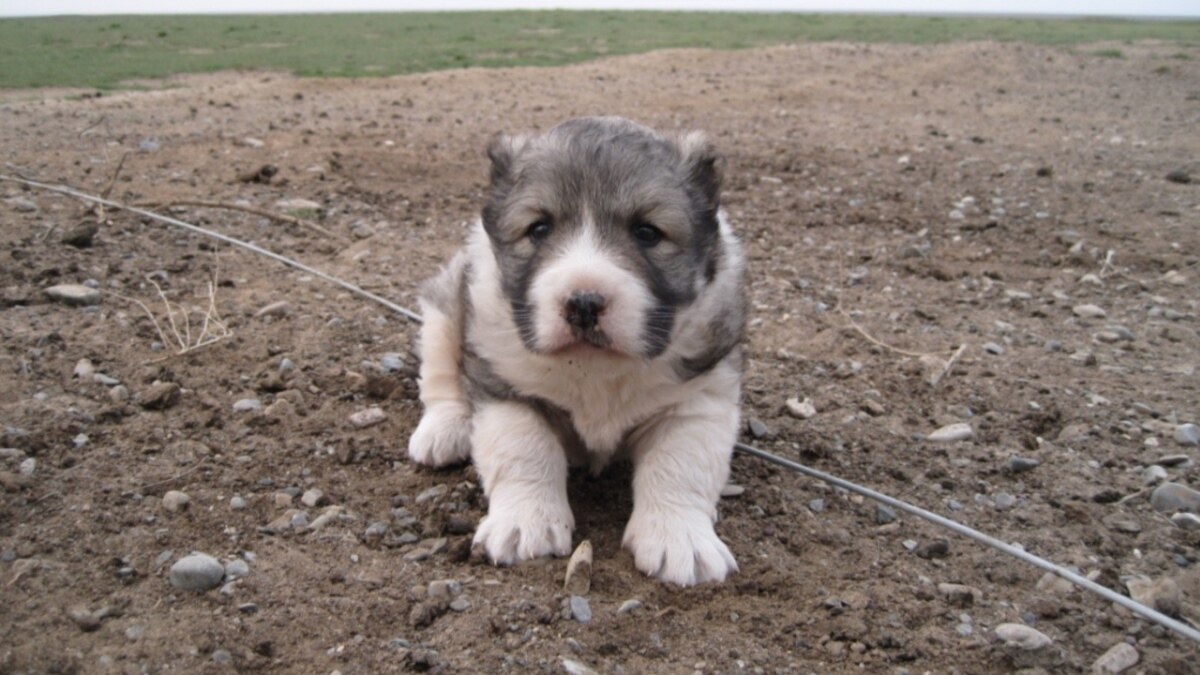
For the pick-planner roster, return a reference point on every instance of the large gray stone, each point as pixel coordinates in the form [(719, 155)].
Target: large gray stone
[(196, 572), (1172, 497)]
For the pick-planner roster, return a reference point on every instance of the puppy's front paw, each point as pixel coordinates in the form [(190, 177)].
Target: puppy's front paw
[(678, 548), (523, 529), (443, 436)]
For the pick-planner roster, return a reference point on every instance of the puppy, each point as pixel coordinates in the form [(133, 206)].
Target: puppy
[(597, 310)]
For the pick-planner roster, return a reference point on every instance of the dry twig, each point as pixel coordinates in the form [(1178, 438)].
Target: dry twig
[(147, 489)]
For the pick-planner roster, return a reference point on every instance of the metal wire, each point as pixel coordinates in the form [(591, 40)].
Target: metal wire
[(1081, 581), (1078, 580), (217, 235)]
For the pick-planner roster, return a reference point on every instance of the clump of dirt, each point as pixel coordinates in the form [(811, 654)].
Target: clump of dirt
[(926, 197)]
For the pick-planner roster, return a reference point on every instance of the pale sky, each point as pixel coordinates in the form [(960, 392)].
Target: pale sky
[(1145, 8)]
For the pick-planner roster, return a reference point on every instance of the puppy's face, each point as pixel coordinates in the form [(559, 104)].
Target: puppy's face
[(603, 231)]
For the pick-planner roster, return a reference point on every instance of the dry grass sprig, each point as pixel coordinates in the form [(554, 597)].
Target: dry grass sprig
[(210, 327)]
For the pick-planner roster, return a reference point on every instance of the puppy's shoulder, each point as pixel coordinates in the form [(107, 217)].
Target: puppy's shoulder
[(445, 291)]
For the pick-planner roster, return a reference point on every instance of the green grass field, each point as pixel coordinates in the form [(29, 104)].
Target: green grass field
[(103, 52)]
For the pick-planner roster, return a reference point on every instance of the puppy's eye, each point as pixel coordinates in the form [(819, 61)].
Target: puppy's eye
[(539, 230), (646, 234)]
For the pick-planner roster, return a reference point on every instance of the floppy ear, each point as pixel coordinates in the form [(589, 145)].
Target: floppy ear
[(703, 165), (503, 150)]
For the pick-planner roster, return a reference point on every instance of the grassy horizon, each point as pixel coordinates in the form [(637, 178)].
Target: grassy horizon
[(104, 51)]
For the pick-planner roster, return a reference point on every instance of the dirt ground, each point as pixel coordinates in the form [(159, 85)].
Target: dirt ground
[(932, 196)]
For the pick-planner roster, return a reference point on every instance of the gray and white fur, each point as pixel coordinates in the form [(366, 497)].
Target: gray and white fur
[(597, 310)]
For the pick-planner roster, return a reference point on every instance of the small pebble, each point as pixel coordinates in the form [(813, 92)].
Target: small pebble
[(313, 498), (801, 409), (993, 348), (959, 431), (248, 608), (160, 396), (1089, 312), (176, 501), (816, 505), (1154, 474), (460, 604), (1022, 637), (85, 619), (196, 572), (757, 428), (74, 294), (300, 520), (237, 503), (27, 467), (1004, 501), (376, 531), (444, 588), (431, 493), (1022, 464), (573, 667), (1121, 657), (247, 405), (580, 610), (884, 514), (1186, 521), (1187, 434), (236, 568), (629, 606), (368, 418), (391, 362), (730, 490), (938, 548), (222, 656)]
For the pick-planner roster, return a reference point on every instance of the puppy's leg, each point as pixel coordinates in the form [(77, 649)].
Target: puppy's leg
[(524, 471), (681, 461), (443, 436)]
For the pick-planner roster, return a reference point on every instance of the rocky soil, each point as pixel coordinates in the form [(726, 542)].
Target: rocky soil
[(1037, 206)]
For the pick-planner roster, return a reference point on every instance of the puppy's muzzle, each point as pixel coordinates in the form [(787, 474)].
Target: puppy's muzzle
[(582, 312), (584, 309)]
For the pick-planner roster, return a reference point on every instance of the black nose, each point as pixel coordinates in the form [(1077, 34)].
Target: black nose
[(584, 309)]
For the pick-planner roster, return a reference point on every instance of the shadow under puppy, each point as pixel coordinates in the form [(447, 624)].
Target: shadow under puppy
[(597, 310)]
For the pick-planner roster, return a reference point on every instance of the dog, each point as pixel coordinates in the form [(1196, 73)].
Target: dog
[(597, 310)]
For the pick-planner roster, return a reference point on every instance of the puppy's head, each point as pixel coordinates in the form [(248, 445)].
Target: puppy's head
[(603, 230)]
